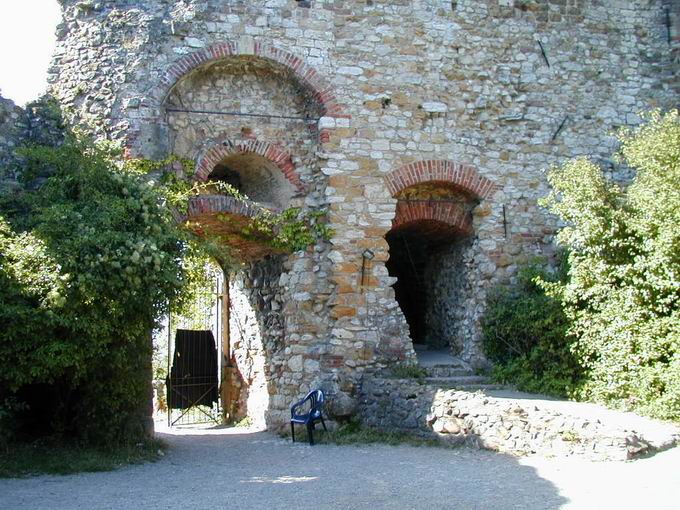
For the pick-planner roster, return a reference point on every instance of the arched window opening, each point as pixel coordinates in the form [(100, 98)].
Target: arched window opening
[(256, 177)]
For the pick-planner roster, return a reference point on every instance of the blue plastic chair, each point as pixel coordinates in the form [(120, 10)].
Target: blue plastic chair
[(309, 418)]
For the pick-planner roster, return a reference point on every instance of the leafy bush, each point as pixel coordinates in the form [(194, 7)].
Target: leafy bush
[(524, 333), (622, 296), (91, 256), (88, 262)]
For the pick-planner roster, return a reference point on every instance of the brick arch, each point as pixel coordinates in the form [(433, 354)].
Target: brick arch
[(271, 152), (449, 213), (462, 176), (319, 88)]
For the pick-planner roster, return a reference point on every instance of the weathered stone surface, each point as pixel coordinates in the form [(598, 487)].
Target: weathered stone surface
[(344, 94), (515, 426)]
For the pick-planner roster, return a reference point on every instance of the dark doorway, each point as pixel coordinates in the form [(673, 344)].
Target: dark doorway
[(415, 257)]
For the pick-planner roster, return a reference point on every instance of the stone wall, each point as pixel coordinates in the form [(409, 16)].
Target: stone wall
[(474, 92), (40, 122), (12, 130), (509, 425), (449, 281), (246, 337)]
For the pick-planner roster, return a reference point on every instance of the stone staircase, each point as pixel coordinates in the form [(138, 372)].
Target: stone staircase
[(453, 377), (447, 372)]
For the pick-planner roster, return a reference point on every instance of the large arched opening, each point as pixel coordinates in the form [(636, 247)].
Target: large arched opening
[(429, 250), (250, 120)]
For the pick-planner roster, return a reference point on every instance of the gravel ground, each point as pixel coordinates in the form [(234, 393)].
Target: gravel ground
[(236, 468)]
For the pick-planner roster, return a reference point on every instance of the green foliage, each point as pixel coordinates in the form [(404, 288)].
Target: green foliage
[(88, 263), (524, 333), (10, 408), (409, 372), (244, 423), (623, 291), (291, 230)]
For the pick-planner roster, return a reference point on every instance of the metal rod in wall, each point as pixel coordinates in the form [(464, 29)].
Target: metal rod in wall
[(240, 114), (559, 128), (545, 57), (505, 223)]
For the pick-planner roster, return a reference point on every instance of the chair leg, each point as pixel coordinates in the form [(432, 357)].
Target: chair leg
[(310, 432), (292, 430), (324, 424)]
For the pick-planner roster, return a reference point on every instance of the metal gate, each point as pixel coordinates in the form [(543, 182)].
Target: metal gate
[(195, 367)]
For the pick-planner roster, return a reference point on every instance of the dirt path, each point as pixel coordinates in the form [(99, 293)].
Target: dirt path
[(234, 469)]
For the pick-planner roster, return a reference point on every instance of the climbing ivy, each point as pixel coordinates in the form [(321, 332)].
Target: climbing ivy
[(291, 230), (91, 256), (89, 261)]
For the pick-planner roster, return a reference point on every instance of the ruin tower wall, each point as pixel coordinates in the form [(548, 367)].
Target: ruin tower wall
[(399, 93)]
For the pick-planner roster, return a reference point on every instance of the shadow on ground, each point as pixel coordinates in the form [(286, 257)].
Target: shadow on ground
[(235, 468)]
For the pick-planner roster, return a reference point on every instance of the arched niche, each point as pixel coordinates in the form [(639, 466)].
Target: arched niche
[(256, 177)]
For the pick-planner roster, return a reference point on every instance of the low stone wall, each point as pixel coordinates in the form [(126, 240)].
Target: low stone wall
[(514, 426), (40, 123)]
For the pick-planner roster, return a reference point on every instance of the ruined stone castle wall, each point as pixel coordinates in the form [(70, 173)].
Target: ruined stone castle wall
[(479, 92), (12, 129)]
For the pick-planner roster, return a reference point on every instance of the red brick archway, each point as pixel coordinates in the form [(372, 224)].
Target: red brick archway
[(431, 231), (306, 76), (271, 152), (454, 214), (460, 175), (319, 88)]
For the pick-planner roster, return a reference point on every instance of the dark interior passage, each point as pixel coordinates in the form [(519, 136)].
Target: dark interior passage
[(256, 177), (412, 249)]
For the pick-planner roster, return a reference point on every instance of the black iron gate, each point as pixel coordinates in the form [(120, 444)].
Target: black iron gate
[(194, 353)]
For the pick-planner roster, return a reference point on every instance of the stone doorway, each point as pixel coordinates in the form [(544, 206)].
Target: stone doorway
[(434, 255), (426, 258), (254, 303)]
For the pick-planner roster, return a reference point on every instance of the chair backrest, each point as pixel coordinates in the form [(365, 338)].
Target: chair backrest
[(317, 398)]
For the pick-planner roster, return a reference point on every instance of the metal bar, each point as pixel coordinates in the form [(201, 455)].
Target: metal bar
[(239, 114), (428, 200), (559, 128), (505, 223), (545, 57)]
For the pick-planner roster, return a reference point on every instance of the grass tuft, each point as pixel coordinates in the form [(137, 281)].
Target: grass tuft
[(409, 372), (28, 459)]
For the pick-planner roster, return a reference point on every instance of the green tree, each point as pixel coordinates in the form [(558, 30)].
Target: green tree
[(525, 334), (623, 290), (88, 263)]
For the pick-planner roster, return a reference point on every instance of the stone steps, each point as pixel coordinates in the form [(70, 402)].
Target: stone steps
[(447, 372), (466, 383), (438, 371)]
